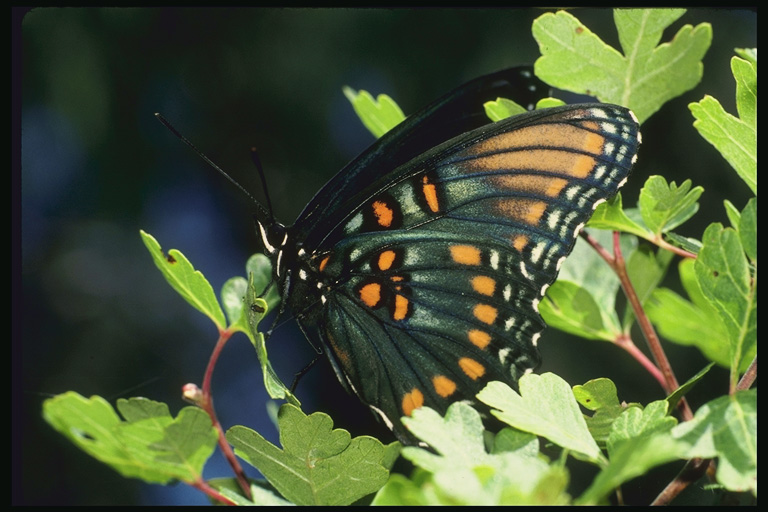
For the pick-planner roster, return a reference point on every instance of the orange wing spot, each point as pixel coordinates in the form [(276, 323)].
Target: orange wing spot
[(583, 166), (412, 400), (430, 194), (593, 142), (396, 279), (386, 259), (465, 254), (552, 136), (479, 338), (472, 368), (324, 262), (401, 307), (484, 285), (384, 214), (519, 242), (523, 210), (370, 294), (443, 385), (485, 313), (533, 183)]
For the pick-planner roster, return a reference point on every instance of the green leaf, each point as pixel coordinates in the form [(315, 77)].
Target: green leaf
[(646, 269), (732, 137), (188, 282), (745, 74), (502, 108), (636, 422), (666, 206), (597, 394), (255, 310), (400, 490), (735, 138), (545, 407), (232, 294), (513, 440), (235, 290), (379, 115), (685, 323), (748, 229), (748, 54), (572, 309), (582, 301), (549, 103), (318, 465), (724, 276), (680, 392), (687, 244), (259, 496), (640, 439), (643, 78), (261, 492), (733, 213), (600, 396), (149, 444), (463, 473), (457, 439), (261, 267), (611, 215), (726, 428)]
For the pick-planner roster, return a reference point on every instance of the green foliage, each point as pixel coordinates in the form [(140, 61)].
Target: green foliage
[(726, 428), (734, 138), (600, 396), (726, 280), (318, 465), (461, 471), (465, 465), (645, 77), (378, 115), (582, 300), (187, 281), (148, 443), (545, 407)]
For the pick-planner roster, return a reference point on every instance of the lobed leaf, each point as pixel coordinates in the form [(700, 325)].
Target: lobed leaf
[(188, 282), (318, 465), (149, 444)]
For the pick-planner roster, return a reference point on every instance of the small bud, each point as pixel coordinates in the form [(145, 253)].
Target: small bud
[(191, 393)]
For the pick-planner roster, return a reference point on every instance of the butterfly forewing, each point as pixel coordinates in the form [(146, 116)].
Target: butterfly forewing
[(450, 116)]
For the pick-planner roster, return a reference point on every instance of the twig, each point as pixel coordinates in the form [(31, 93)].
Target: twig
[(206, 403)]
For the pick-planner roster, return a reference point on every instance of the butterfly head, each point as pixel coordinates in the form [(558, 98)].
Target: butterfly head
[(275, 238)]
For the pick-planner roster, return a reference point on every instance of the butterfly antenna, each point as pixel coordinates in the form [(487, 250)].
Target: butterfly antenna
[(210, 162), (257, 162)]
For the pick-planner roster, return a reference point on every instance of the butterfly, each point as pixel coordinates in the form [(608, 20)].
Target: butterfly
[(419, 267)]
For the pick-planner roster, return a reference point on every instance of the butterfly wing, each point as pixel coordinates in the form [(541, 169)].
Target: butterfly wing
[(457, 112), (425, 283)]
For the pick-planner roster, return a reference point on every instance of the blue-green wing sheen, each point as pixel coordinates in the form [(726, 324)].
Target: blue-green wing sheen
[(424, 284)]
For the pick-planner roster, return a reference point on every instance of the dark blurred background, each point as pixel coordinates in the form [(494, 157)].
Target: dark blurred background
[(92, 167)]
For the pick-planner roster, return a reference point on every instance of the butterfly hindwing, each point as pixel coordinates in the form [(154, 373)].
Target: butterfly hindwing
[(424, 283)]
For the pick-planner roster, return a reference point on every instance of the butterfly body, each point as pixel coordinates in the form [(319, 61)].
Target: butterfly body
[(419, 269)]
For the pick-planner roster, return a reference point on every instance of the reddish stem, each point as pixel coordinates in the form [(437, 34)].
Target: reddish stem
[(749, 377), (206, 403), (674, 249), (691, 472), (625, 341), (616, 261), (203, 486)]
